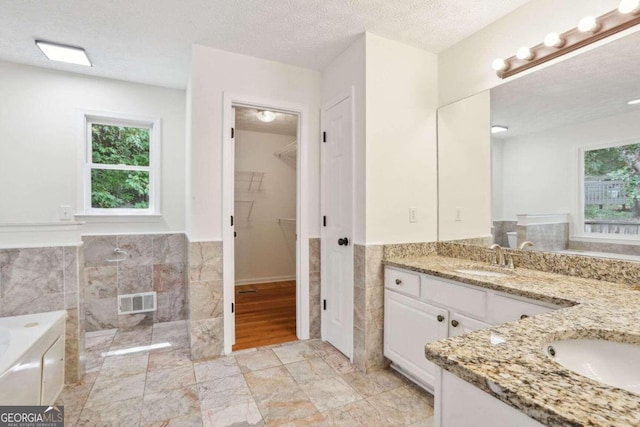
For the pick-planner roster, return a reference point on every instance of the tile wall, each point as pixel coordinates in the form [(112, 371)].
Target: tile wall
[(35, 280), (152, 263), (314, 288), (206, 314)]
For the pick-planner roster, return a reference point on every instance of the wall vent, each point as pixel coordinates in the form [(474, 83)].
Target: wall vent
[(136, 303)]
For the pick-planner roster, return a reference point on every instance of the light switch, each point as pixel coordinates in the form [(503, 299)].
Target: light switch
[(412, 214), (458, 214), (65, 213)]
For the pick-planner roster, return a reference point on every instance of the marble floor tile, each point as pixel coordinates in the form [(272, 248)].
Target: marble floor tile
[(227, 391), (169, 359), (116, 389), (113, 414), (269, 380), (374, 382), (169, 379), (315, 420), (310, 370), (294, 352), (175, 333), (429, 422), (216, 368), (322, 348), (285, 406), (243, 414), (256, 360), (329, 393), (401, 406), (123, 366), (355, 414), (194, 420), (340, 363), (170, 404), (135, 337)]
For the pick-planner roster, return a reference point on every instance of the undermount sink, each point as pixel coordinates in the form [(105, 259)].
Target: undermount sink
[(609, 362), (484, 273)]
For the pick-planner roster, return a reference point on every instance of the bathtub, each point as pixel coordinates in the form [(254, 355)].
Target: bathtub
[(32, 358)]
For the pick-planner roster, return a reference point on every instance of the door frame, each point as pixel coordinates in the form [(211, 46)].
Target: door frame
[(231, 100), (346, 94)]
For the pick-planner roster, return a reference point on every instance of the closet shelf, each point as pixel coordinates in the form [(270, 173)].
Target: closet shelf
[(249, 180), (288, 151)]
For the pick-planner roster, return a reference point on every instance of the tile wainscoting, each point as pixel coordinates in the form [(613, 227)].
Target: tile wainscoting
[(314, 288), (36, 280), (153, 263)]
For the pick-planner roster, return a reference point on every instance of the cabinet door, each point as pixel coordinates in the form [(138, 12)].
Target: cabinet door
[(409, 325), (460, 325)]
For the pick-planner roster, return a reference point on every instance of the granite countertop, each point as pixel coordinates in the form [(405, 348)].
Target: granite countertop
[(508, 360)]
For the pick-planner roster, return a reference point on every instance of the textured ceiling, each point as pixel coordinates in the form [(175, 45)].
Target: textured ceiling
[(149, 41), (595, 84), (283, 124)]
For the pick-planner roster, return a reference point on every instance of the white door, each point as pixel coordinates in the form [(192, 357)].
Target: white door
[(229, 232), (337, 230)]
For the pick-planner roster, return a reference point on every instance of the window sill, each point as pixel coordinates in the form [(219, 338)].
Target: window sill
[(102, 218)]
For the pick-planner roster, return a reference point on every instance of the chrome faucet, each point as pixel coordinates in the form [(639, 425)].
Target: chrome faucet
[(524, 244), (499, 254)]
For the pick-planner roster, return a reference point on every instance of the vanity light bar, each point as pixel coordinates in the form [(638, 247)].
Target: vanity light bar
[(589, 30)]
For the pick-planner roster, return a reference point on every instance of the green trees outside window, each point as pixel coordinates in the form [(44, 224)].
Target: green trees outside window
[(120, 167)]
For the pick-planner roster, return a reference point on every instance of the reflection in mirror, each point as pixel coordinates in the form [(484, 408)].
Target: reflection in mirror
[(566, 172)]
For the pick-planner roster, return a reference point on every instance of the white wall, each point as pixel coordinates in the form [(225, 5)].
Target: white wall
[(40, 135), (214, 72), (344, 72), (541, 170), (264, 248), (401, 145), (464, 156), (465, 69)]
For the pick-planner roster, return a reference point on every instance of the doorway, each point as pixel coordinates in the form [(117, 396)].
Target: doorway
[(265, 227), (299, 229)]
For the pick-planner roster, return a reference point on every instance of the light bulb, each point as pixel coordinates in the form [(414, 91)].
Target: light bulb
[(266, 116), (629, 7), (498, 129), (524, 53), (634, 102), (553, 40), (499, 65), (588, 24)]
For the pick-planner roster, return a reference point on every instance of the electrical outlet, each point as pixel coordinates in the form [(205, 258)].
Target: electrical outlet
[(65, 213), (458, 214), (412, 214)]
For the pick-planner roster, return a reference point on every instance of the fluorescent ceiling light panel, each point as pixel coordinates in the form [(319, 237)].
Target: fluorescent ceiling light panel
[(498, 129), (63, 53)]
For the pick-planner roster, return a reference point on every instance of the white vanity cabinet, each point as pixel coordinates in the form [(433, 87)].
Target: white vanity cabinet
[(419, 309)]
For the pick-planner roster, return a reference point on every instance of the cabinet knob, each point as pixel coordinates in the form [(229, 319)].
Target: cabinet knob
[(440, 317), (524, 316), (398, 281), (454, 323)]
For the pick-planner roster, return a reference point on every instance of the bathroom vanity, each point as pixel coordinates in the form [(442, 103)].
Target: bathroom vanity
[(494, 368)]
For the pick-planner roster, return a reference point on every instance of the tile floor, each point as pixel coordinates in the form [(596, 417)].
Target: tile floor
[(304, 383)]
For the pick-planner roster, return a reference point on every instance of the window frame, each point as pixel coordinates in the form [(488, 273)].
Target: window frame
[(579, 233), (114, 119)]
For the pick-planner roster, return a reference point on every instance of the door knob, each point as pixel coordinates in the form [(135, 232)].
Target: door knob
[(440, 317), (454, 323), (343, 241)]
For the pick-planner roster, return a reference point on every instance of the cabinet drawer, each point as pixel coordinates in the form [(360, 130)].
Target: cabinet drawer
[(460, 325), (402, 281), (507, 309), (461, 298)]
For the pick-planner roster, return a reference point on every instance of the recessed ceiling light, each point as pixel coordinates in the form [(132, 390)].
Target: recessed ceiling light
[(634, 101), (64, 53), (266, 116), (498, 129)]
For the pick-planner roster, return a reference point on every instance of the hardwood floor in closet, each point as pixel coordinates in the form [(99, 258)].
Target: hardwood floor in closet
[(267, 316)]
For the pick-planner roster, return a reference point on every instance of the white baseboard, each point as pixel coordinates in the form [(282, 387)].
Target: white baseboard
[(259, 280)]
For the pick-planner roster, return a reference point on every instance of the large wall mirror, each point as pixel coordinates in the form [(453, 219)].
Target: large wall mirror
[(565, 169)]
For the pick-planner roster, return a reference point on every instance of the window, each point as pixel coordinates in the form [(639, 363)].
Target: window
[(611, 197), (121, 167)]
